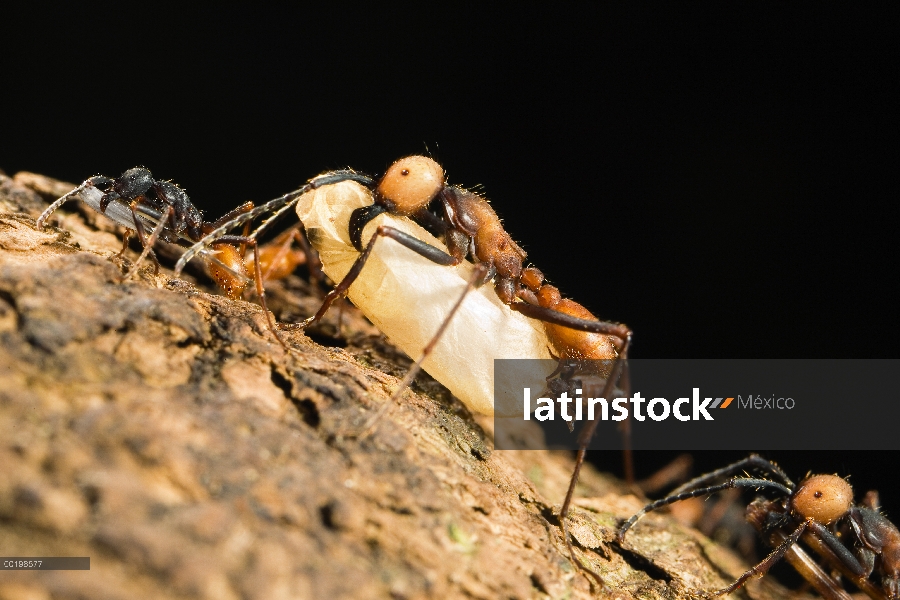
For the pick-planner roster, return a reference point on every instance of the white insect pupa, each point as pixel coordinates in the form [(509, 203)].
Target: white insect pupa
[(408, 297)]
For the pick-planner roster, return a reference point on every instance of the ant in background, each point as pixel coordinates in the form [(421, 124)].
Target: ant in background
[(813, 510), (470, 229), (138, 201)]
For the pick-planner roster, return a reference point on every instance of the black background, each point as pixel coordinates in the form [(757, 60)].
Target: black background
[(721, 178)]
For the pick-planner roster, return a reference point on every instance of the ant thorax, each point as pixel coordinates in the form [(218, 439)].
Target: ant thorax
[(408, 297)]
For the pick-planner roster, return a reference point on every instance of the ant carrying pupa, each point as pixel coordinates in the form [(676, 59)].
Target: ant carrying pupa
[(456, 335), (139, 202), (812, 510)]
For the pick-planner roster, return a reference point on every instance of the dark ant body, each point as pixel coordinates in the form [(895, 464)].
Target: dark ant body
[(812, 509), (138, 201), (138, 188), (469, 228)]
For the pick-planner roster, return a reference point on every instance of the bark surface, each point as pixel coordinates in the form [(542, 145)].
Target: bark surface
[(159, 429)]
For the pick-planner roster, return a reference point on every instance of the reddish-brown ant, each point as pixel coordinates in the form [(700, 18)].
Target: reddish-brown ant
[(470, 228), (138, 201), (812, 509)]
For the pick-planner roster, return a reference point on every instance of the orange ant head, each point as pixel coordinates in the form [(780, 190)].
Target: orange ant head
[(823, 498), (410, 184)]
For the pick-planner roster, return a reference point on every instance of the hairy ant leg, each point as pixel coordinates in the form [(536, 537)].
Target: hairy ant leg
[(567, 378), (147, 243), (477, 279), (126, 238)]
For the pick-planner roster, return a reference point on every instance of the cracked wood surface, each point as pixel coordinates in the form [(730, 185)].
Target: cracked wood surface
[(158, 428)]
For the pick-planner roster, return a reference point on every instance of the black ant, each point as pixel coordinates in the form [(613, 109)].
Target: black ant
[(470, 228), (812, 509), (138, 201)]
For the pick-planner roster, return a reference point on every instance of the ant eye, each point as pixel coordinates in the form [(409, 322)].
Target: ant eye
[(410, 184), (818, 494)]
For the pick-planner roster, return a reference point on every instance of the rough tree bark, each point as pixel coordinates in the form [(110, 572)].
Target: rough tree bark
[(159, 429)]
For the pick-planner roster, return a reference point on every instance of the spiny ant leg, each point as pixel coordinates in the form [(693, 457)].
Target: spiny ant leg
[(279, 206), (147, 243), (840, 558), (754, 460), (584, 439), (475, 280), (231, 215), (811, 571), (142, 234), (763, 567), (421, 248), (840, 550), (261, 292), (731, 483), (126, 237), (257, 276), (548, 315)]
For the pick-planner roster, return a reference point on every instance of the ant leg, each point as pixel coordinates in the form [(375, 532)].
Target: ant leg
[(278, 206), (734, 482), (421, 248), (584, 438), (829, 547), (767, 562), (810, 569), (567, 371), (147, 243), (823, 583), (754, 460), (257, 276), (475, 280), (126, 237), (231, 215), (840, 550), (554, 317)]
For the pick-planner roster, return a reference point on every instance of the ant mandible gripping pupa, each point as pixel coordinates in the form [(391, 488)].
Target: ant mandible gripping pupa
[(346, 213), (811, 509), (138, 201)]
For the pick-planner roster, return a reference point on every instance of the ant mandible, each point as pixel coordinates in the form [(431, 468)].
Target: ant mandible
[(138, 201), (814, 506), (469, 227)]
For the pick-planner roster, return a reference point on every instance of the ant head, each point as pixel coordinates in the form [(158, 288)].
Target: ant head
[(410, 184), (104, 184), (823, 498)]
